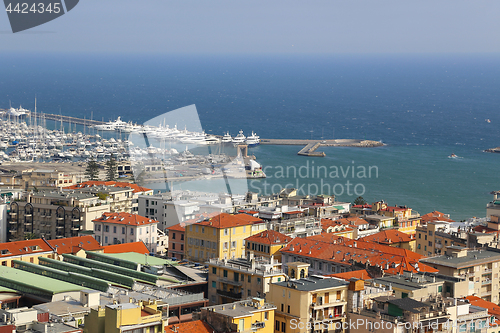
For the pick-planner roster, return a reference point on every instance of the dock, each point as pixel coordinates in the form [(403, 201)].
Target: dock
[(65, 119), (312, 145), (310, 150)]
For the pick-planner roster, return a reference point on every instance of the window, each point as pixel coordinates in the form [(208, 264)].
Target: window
[(425, 237), (106, 239), (282, 307), (234, 230), (233, 244), (288, 310), (440, 289), (196, 228), (106, 228), (226, 232), (114, 229), (214, 270), (131, 231), (123, 230), (225, 273), (173, 235), (214, 284), (249, 279), (182, 236), (418, 246), (283, 327), (182, 247), (202, 230), (173, 246), (225, 245), (258, 280), (430, 243), (419, 235), (277, 326)]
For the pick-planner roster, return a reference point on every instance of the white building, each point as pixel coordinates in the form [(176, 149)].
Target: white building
[(119, 228)]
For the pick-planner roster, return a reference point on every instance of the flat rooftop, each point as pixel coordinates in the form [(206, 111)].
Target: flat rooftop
[(473, 258), (240, 309), (10, 275), (141, 259), (312, 283)]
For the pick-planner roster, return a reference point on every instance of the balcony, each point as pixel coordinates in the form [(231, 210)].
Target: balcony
[(59, 218), (322, 304), (485, 282), (229, 281), (229, 294), (13, 213), (75, 227)]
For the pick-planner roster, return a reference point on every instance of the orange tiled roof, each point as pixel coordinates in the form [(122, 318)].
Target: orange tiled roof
[(225, 220), (124, 218), (23, 247), (493, 309), (481, 228), (196, 326), (90, 183), (352, 220), (177, 227), (347, 251), (389, 236), (137, 247), (361, 274), (72, 245), (270, 237), (435, 216)]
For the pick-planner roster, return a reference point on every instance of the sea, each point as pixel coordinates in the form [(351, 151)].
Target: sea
[(423, 107)]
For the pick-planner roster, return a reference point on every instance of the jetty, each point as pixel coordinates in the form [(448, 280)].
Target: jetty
[(493, 150), (312, 145), (58, 117)]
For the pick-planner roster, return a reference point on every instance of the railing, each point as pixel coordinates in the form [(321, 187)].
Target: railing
[(229, 294)]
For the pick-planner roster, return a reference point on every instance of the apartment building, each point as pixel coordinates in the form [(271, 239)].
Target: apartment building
[(222, 236), (306, 302), (479, 267), (241, 278), (176, 243), (493, 207), (252, 315), (119, 228), (53, 214), (267, 244), (433, 238), (142, 316), (121, 196)]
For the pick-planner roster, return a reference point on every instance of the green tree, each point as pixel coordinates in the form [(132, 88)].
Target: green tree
[(92, 170), (31, 236), (111, 169), (360, 201)]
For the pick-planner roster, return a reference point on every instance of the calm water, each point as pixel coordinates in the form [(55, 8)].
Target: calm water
[(423, 107)]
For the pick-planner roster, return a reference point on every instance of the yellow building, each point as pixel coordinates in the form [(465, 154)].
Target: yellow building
[(237, 279), (309, 304), (433, 238), (222, 236), (479, 267), (125, 317), (267, 244), (245, 316)]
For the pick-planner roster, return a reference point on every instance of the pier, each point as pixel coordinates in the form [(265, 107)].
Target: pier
[(312, 145), (65, 119), (310, 150)]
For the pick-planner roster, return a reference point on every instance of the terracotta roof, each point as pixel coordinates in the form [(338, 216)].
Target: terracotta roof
[(137, 247), (389, 236), (435, 216), (124, 218), (481, 228), (362, 206), (270, 237), (352, 220), (177, 227), (72, 245), (293, 212), (346, 251), (327, 223), (196, 326), (90, 183), (493, 309), (225, 220), (361, 274), (23, 247)]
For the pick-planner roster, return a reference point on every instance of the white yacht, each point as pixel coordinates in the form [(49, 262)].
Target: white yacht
[(253, 140), (239, 139), (227, 138)]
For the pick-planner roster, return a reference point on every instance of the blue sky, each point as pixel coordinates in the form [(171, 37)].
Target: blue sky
[(271, 26)]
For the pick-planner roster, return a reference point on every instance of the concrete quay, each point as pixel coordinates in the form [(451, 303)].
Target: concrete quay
[(312, 145)]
